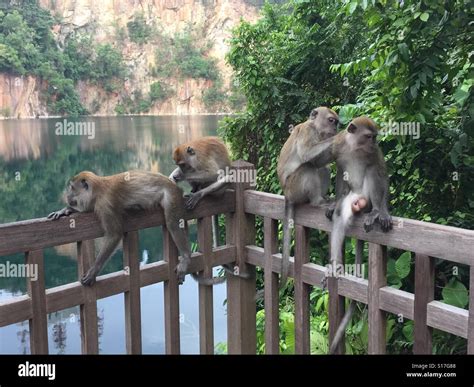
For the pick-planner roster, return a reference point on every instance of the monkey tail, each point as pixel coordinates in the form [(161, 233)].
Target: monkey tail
[(208, 281), (285, 262), (348, 315), (341, 328)]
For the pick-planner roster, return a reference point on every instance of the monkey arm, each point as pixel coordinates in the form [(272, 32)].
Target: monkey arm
[(194, 198), (177, 175), (108, 247), (320, 153), (66, 211)]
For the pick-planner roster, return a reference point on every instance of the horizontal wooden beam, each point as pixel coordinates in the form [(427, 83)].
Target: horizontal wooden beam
[(451, 243), (17, 309), (36, 234), (441, 316)]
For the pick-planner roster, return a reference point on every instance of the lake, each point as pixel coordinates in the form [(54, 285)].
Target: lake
[(36, 162)]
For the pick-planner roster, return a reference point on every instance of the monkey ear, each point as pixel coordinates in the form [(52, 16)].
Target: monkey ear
[(313, 114), (84, 184), (190, 150), (351, 128)]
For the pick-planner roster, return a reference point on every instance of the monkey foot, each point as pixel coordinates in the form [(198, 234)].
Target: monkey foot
[(324, 283), (88, 279)]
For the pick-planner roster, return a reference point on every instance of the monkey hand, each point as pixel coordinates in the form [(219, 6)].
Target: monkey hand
[(181, 269), (66, 211), (385, 221), (88, 279), (192, 200), (330, 210), (370, 219)]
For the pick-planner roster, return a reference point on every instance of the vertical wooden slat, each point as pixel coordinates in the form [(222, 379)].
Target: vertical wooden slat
[(336, 308), (206, 312), (133, 319), (36, 290), (171, 293), (424, 293), (470, 325), (302, 290), (89, 326), (272, 333), (377, 279), (241, 306)]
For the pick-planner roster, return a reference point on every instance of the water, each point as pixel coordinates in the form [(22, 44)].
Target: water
[(35, 163)]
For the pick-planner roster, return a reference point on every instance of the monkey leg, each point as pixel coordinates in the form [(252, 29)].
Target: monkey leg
[(110, 243)]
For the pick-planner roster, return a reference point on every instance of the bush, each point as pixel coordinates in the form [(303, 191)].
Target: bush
[(138, 30)]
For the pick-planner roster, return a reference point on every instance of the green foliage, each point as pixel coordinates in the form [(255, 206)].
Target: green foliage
[(185, 56), (214, 97), (138, 29), (402, 62), (27, 47), (158, 92)]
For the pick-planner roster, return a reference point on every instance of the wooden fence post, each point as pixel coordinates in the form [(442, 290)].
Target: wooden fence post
[(424, 294), (336, 307), (36, 291), (377, 280), (302, 291), (89, 323), (241, 306), (206, 300), (133, 318), (271, 289)]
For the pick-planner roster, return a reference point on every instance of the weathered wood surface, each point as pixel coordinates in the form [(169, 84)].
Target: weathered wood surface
[(132, 303), (39, 321), (424, 294), (271, 289), (37, 234), (302, 291), (451, 243), (377, 280), (241, 306)]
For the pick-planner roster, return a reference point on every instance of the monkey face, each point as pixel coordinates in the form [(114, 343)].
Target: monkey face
[(325, 121), (364, 131), (185, 158), (78, 194)]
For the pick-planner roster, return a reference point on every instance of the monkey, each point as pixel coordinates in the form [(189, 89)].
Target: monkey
[(204, 163), (110, 196), (300, 180), (361, 186)]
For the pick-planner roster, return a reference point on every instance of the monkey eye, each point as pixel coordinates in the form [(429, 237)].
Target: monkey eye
[(332, 120), (369, 136)]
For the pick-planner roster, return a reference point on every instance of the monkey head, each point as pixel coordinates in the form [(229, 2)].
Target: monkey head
[(325, 122), (362, 134), (185, 158), (79, 192)]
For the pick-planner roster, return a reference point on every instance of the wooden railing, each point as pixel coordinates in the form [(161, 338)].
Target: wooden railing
[(428, 241)]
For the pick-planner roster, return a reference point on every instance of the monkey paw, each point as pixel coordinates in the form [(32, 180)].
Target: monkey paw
[(370, 219), (385, 221), (330, 212), (58, 214), (192, 200), (180, 270), (88, 279), (324, 283)]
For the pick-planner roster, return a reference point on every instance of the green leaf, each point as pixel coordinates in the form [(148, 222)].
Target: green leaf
[(402, 265), (455, 293), (424, 16)]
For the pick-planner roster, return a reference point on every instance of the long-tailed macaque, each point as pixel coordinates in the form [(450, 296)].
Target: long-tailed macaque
[(204, 163), (110, 196), (361, 186), (301, 181)]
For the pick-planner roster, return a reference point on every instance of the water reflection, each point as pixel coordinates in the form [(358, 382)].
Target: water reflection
[(34, 165)]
